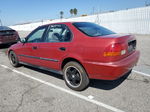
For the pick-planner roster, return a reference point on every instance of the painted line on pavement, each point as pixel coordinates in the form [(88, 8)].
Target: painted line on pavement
[(142, 73), (65, 90)]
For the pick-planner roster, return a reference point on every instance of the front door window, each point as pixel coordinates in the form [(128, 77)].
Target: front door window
[(37, 36)]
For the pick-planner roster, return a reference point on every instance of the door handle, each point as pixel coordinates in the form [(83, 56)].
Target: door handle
[(34, 47), (62, 48)]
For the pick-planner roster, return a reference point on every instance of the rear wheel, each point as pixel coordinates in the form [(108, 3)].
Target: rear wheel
[(75, 76), (13, 59)]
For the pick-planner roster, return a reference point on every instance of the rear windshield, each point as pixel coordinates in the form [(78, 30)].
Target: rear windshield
[(7, 32), (91, 29)]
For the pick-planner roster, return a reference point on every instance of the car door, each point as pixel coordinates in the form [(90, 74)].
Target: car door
[(56, 46), (29, 50)]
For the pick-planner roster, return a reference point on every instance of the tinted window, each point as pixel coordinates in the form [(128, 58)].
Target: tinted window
[(92, 29), (37, 35), (58, 33)]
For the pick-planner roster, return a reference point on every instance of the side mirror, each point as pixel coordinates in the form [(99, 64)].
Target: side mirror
[(22, 40)]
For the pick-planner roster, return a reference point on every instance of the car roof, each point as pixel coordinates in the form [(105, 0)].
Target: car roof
[(4, 28), (62, 23), (58, 23)]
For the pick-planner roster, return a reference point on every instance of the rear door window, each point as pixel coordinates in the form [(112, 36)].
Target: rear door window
[(58, 33)]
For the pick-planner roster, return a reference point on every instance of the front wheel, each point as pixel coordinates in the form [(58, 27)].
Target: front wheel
[(75, 76), (13, 59)]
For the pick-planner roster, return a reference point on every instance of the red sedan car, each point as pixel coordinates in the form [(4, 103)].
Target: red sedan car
[(8, 35), (78, 50)]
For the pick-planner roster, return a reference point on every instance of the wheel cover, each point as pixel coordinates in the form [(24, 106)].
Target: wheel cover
[(73, 76), (13, 59)]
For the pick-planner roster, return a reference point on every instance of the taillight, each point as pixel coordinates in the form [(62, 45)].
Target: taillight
[(116, 49)]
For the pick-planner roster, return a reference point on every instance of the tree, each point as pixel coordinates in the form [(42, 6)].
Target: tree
[(75, 11), (71, 12), (147, 3), (61, 14)]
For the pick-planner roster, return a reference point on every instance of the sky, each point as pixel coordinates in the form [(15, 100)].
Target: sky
[(21, 11)]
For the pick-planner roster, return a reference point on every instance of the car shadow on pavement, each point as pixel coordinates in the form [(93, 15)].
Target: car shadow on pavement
[(94, 83), (45, 72), (107, 84), (4, 46)]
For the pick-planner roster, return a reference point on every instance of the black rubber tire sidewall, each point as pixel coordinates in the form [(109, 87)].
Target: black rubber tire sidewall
[(85, 80)]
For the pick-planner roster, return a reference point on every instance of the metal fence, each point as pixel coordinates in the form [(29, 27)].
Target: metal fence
[(136, 21)]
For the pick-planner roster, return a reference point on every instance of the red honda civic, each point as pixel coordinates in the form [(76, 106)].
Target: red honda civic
[(78, 50)]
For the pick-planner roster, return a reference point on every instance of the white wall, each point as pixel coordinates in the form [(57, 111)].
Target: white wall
[(135, 21)]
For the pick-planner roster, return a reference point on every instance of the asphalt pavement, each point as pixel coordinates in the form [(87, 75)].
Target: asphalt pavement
[(27, 89)]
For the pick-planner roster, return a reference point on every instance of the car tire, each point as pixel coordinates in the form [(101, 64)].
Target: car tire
[(75, 76), (13, 59)]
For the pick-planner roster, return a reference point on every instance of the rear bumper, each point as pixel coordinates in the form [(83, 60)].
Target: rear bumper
[(8, 42), (113, 70)]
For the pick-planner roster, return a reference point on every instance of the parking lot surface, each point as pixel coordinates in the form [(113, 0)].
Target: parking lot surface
[(26, 89)]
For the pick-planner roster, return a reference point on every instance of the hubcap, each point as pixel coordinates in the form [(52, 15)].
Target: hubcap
[(73, 76), (13, 59)]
